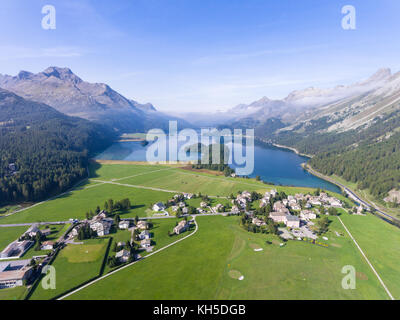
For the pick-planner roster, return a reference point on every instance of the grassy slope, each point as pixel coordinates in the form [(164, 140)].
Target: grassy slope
[(76, 203), (16, 293), (74, 266), (70, 271), (9, 234), (379, 241), (198, 268)]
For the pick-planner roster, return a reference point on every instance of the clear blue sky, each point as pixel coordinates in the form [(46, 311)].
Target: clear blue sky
[(198, 55)]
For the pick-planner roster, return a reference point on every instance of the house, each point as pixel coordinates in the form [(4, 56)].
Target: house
[(75, 231), (188, 195), (102, 227), (315, 202), (16, 249), (124, 224), (203, 204), (185, 210), (159, 206), (292, 221), (123, 255), (235, 209), (143, 225), (181, 227), (219, 207), (307, 215), (258, 222), (121, 244), (200, 210), (295, 207), (146, 243), (181, 204), (278, 216), (280, 207), (246, 194), (33, 230), (174, 208), (144, 235), (14, 273), (46, 232), (335, 203), (47, 245)]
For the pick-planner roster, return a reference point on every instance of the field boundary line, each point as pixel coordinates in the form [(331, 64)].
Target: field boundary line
[(141, 174), (138, 187), (369, 263), (130, 264)]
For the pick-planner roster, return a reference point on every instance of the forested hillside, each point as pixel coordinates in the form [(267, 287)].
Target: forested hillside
[(368, 156), (374, 166), (43, 152)]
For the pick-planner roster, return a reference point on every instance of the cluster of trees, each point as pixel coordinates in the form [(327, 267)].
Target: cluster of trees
[(85, 232), (270, 227), (112, 261), (110, 206), (321, 225), (222, 166), (50, 150)]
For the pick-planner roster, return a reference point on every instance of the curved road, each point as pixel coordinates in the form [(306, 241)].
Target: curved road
[(350, 192)]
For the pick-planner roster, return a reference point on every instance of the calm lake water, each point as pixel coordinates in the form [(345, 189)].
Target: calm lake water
[(280, 166)]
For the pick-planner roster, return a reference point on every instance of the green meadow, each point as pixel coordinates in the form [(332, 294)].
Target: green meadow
[(159, 236), (17, 293), (9, 234), (75, 203), (380, 242), (208, 264), (74, 265)]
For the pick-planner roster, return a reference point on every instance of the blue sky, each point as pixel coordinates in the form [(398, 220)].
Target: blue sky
[(192, 55)]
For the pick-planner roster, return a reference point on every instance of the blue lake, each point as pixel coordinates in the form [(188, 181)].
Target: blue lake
[(280, 166)]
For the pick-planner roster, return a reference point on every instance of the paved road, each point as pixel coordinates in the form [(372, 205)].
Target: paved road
[(350, 192), (31, 223)]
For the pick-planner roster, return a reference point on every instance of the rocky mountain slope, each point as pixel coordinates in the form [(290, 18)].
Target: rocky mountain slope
[(69, 94)]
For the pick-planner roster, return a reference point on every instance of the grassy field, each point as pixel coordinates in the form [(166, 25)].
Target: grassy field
[(76, 203), (212, 259), (74, 265), (8, 209), (9, 234), (17, 293), (380, 243), (159, 232)]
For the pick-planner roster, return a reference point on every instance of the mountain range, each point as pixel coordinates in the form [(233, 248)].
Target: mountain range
[(61, 89)]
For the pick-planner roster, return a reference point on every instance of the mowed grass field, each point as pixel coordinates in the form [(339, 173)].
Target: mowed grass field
[(74, 265), (207, 265), (380, 242), (9, 234), (17, 293), (137, 182)]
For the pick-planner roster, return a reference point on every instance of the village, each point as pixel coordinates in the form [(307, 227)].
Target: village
[(289, 216)]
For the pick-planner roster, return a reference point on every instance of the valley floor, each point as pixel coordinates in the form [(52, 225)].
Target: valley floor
[(209, 264)]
